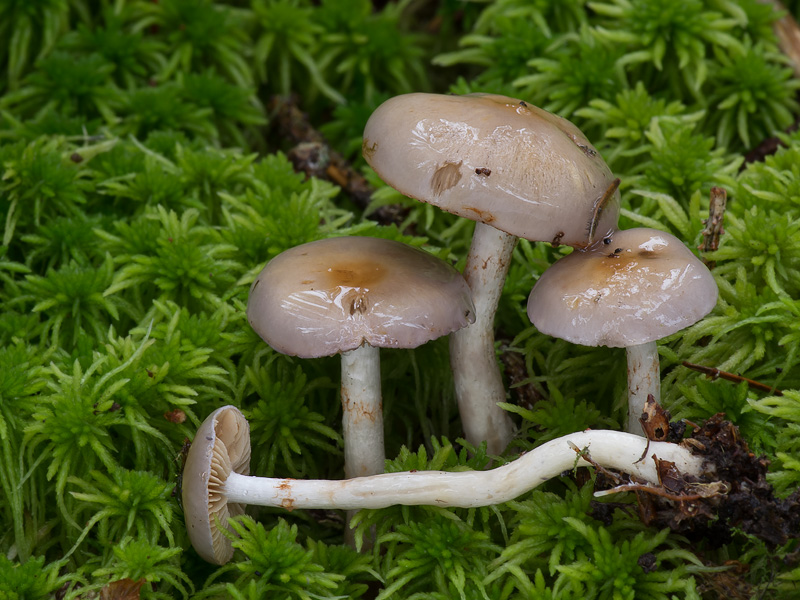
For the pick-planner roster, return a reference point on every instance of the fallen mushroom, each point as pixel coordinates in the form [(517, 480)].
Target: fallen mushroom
[(221, 446), (216, 483), (515, 169), (629, 290), (352, 296)]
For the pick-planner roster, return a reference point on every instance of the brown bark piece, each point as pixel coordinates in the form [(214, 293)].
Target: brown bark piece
[(312, 155)]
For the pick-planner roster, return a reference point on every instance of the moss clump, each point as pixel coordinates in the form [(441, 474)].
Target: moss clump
[(145, 178)]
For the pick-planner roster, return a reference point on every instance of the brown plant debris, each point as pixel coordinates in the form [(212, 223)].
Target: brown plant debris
[(718, 201), (312, 155), (733, 494), (523, 391), (656, 423), (729, 584), (123, 589)]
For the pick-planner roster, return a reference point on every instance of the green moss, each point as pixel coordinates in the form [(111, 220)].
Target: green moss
[(145, 180)]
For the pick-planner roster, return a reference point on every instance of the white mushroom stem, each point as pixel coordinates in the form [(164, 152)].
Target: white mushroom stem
[(644, 378), (611, 449), (478, 382), (362, 412)]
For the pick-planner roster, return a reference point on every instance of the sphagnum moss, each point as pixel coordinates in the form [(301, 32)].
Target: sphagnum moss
[(116, 343)]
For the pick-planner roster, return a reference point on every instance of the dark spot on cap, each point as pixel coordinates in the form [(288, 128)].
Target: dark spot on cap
[(445, 177), (523, 103), (358, 305), (483, 171), (368, 149)]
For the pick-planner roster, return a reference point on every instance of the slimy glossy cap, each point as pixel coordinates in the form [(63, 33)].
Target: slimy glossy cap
[(636, 286), (330, 296), (497, 160), (220, 447)]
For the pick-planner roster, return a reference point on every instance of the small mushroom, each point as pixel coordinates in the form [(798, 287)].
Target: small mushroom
[(466, 489), (221, 448), (515, 169), (629, 290), (353, 296)]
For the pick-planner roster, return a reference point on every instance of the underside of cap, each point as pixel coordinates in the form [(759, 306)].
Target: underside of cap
[(333, 295), (640, 286), (497, 160), (221, 446)]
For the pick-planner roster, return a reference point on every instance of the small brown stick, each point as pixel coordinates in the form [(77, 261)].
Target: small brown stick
[(701, 491), (718, 200), (312, 155), (714, 373)]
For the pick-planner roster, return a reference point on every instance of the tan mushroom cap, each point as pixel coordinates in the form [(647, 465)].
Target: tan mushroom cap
[(640, 286), (495, 159), (330, 296), (221, 446)]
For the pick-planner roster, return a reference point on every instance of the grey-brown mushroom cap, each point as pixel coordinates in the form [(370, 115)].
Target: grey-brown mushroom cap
[(494, 159), (639, 287), (330, 296), (221, 446)]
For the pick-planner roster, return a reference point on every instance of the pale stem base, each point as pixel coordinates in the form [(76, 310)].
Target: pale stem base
[(611, 449), (478, 382), (644, 377), (362, 419), (362, 412)]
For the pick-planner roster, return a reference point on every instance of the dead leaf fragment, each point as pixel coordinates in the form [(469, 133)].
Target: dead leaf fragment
[(122, 589)]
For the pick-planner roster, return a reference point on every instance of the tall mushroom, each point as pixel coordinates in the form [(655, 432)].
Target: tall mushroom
[(628, 290), (515, 169), (352, 296), (215, 480)]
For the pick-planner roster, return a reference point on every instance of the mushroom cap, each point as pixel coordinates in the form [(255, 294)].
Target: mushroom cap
[(497, 160), (221, 446), (636, 286), (330, 296)]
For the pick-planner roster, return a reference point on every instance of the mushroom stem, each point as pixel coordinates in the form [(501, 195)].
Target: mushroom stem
[(612, 449), (362, 412), (478, 382), (644, 378)]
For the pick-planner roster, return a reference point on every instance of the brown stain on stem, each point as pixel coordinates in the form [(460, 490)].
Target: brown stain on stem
[(285, 487)]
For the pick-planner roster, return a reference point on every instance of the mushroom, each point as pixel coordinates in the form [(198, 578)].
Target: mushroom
[(629, 290), (221, 447), (224, 434), (515, 169), (353, 296)]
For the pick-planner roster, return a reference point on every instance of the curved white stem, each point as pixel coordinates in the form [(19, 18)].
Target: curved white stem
[(362, 412), (611, 449), (478, 382), (644, 377)]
